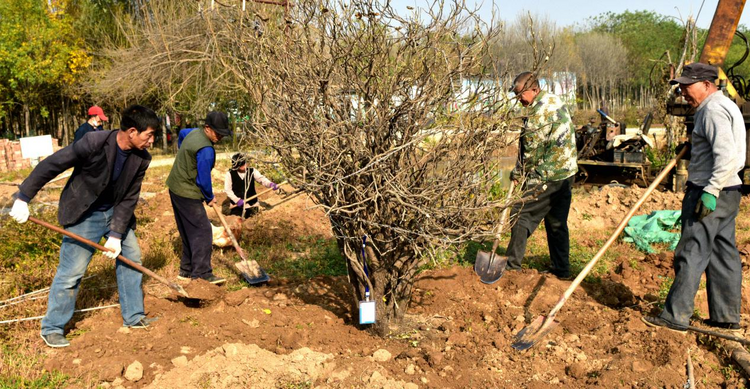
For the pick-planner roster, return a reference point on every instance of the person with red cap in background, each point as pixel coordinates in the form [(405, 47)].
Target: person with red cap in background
[(96, 118)]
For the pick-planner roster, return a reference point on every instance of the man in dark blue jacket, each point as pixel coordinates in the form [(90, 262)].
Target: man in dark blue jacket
[(98, 200), (94, 123)]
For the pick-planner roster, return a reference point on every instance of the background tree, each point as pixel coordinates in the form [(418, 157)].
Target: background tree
[(39, 55)]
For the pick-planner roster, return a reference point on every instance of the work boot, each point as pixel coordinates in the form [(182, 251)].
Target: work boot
[(55, 340), (732, 327), (214, 279), (183, 276), (657, 322), (144, 322)]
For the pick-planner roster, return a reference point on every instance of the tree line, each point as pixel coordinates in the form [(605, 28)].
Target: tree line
[(58, 57)]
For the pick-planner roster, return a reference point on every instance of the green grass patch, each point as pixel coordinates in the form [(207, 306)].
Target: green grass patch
[(300, 259), (15, 176), (28, 256), (24, 371)]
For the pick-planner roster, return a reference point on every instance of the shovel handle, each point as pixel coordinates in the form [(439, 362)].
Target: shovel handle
[(229, 232), (503, 217), (99, 247), (586, 270), (265, 191), (236, 245)]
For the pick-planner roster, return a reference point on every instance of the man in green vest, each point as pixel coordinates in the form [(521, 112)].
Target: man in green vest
[(189, 185)]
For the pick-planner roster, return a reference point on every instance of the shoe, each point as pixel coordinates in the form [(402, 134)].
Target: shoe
[(215, 280), (55, 340), (183, 276), (734, 327), (656, 322), (144, 322)]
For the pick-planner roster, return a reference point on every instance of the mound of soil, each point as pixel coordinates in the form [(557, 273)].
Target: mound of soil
[(457, 334), (604, 207)]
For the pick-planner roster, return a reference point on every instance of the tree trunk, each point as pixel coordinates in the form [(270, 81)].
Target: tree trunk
[(26, 117), (163, 136), (391, 285), (66, 132)]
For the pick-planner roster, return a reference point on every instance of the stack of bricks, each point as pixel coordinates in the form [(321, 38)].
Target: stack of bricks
[(11, 158)]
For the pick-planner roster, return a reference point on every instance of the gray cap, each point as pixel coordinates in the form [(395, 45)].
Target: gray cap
[(696, 72)]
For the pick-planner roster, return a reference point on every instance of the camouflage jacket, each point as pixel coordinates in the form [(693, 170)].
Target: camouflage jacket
[(548, 144)]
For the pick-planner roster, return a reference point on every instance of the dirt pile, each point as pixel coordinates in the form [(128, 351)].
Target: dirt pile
[(457, 334), (236, 365), (604, 207)]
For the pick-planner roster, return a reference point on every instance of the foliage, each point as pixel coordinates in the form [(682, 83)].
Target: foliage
[(40, 52), (645, 34)]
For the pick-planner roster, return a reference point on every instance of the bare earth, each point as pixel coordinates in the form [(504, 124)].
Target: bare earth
[(457, 332)]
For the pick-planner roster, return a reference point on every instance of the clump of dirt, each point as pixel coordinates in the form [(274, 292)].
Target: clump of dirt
[(201, 289)]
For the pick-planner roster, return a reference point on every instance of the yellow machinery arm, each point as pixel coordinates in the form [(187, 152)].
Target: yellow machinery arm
[(720, 34)]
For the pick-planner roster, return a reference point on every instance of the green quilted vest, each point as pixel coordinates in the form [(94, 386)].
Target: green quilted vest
[(181, 180)]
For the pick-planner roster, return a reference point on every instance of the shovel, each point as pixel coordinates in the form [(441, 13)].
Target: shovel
[(259, 194), (250, 270), (534, 332), (177, 288), (490, 266)]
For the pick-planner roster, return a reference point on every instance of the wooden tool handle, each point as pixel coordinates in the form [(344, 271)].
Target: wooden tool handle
[(586, 270), (100, 248), (265, 191), (255, 269), (503, 217)]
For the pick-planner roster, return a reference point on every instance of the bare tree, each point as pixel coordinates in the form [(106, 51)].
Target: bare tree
[(366, 111), (392, 124), (603, 66)]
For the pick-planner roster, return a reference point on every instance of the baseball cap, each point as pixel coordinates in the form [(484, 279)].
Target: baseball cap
[(97, 110), (238, 160), (218, 122), (696, 72)]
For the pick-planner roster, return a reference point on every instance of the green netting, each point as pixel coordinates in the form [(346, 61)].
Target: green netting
[(643, 230)]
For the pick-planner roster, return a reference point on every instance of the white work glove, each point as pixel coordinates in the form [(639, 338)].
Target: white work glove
[(20, 211), (114, 245)]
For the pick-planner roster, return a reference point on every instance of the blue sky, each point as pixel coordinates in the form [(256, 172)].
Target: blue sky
[(569, 12)]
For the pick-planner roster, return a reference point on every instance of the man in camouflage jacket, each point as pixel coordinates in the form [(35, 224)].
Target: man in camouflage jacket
[(546, 166)]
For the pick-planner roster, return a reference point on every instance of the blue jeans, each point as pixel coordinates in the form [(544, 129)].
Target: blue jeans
[(75, 258)]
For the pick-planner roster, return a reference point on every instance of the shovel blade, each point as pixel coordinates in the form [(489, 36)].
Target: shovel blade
[(490, 267), (179, 289), (252, 274), (533, 333)]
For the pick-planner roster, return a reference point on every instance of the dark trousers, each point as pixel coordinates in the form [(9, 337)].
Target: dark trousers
[(228, 209), (551, 204), (195, 231), (707, 246)]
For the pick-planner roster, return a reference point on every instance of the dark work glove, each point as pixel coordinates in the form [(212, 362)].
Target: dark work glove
[(705, 206), (682, 146)]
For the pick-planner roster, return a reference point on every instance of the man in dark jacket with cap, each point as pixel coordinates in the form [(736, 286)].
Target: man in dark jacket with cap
[(98, 200), (709, 208), (190, 186)]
